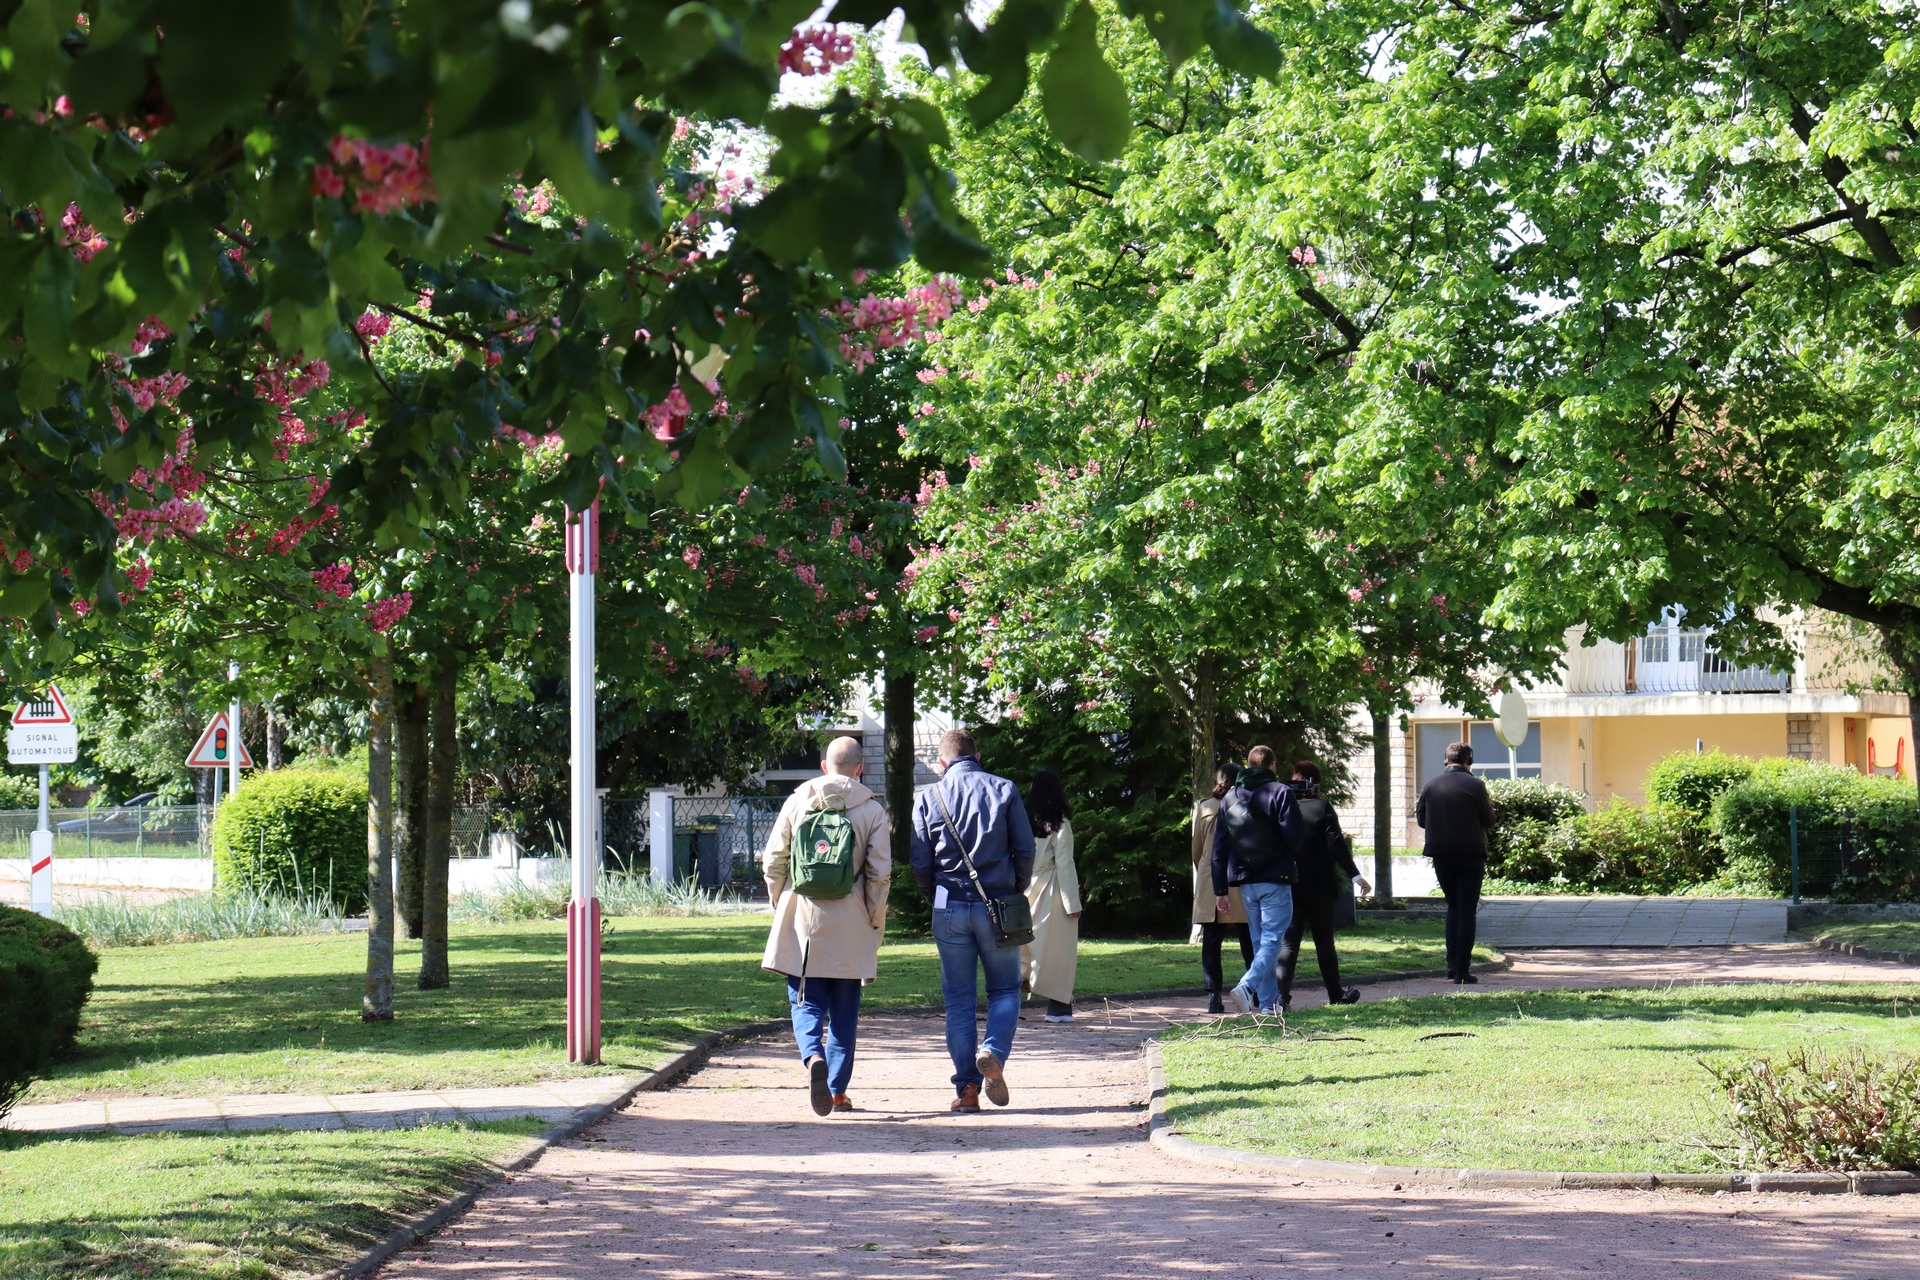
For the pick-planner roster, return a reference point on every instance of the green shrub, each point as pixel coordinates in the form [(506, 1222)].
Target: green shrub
[(1526, 815), (19, 792), (1651, 848), (46, 975), (295, 832), (1877, 818), (1693, 782)]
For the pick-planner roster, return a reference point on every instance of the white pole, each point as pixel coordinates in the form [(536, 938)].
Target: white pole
[(583, 911), (40, 859), (233, 733)]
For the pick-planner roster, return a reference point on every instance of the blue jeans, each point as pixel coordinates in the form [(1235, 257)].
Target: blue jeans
[(963, 935), (832, 1006), (1269, 912)]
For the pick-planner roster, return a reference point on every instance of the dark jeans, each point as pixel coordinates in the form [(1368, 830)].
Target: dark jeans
[(1212, 934), (1315, 911), (963, 937), (1460, 883), (826, 1022)]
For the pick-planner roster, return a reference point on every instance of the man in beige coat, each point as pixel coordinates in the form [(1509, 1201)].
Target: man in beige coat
[(828, 948)]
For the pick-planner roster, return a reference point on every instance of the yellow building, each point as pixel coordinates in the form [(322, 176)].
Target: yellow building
[(1618, 708)]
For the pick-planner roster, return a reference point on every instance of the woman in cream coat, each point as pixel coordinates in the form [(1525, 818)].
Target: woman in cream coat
[(1212, 926), (1049, 961)]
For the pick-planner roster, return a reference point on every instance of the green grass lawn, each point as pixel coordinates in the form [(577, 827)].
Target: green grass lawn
[(281, 1015), (227, 1204), (1606, 1080), (1887, 935)]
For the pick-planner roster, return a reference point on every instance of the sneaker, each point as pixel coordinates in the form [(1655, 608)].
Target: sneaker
[(1059, 1011), (841, 1102), (1350, 996), (1242, 1003), (996, 1083), (1214, 1003), (822, 1092), (969, 1099), (1059, 1017)]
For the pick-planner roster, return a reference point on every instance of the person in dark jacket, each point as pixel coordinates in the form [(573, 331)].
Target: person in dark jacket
[(1456, 813), (1324, 861), (1254, 842), (984, 813)]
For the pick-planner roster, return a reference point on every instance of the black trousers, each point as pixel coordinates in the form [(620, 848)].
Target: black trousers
[(1212, 934), (1460, 883), (1315, 911)]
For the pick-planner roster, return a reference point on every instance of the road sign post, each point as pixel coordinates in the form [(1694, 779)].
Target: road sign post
[(583, 909), (43, 733), (233, 722)]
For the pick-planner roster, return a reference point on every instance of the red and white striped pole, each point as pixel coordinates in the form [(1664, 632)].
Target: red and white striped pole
[(583, 910)]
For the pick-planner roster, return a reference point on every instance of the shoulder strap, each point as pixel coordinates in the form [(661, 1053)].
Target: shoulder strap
[(941, 800)]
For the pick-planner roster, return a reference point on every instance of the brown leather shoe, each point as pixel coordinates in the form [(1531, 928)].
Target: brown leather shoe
[(841, 1102), (969, 1099)]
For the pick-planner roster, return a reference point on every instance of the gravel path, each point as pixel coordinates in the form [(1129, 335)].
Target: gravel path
[(730, 1175)]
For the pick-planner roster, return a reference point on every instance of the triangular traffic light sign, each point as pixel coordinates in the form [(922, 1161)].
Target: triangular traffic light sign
[(49, 708), (217, 745)]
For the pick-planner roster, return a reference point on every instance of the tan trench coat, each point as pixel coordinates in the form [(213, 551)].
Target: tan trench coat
[(834, 937), (1050, 961), (1204, 815)]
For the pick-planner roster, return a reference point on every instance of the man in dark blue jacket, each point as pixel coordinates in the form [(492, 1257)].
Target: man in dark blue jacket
[(1254, 843), (983, 812)]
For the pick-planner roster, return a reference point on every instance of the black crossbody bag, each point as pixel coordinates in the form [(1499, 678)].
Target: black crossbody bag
[(1012, 917)]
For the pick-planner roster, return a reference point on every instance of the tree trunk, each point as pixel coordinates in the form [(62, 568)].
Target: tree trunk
[(276, 741), (410, 806), (376, 1005), (443, 767), (1382, 811), (1203, 722), (897, 708)]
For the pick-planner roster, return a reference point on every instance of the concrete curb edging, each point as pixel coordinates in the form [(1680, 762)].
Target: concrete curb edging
[(409, 1233), (1827, 942), (1160, 1133)]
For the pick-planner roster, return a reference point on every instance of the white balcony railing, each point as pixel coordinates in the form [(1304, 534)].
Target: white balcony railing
[(1668, 659)]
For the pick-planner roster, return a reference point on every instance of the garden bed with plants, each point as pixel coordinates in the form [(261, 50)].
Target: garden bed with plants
[(1713, 824), (1602, 1081)]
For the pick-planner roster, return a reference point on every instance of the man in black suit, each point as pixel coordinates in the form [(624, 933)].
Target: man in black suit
[(1456, 813)]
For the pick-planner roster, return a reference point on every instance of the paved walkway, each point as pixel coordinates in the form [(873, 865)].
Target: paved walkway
[(1631, 922), (730, 1175)]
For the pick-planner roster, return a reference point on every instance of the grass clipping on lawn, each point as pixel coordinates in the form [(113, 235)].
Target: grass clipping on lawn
[(1551, 1081)]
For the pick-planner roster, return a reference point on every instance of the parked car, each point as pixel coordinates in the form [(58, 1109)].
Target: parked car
[(133, 819)]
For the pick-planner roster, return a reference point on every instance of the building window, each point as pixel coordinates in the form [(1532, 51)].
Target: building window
[(1490, 758), (1430, 748)]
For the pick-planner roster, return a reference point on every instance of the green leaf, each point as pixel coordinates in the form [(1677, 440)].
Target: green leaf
[(1084, 99), (1239, 45)]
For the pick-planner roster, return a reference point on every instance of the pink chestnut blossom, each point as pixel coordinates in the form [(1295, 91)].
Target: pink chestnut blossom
[(383, 613), (814, 51)]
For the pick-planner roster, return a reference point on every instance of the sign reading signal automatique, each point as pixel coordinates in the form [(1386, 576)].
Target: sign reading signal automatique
[(43, 731)]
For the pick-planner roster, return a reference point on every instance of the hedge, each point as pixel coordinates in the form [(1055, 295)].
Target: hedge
[(1526, 842), (295, 831), (46, 975), (1879, 819), (17, 792), (1694, 781)]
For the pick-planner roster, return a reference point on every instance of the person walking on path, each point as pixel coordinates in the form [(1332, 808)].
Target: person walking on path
[(1214, 924), (1053, 895), (1254, 839), (1324, 860), (971, 839), (828, 865), (1456, 813)]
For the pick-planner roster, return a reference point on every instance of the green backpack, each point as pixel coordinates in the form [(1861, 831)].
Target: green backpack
[(823, 854)]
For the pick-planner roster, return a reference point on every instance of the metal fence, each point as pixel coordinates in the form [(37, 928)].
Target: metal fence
[(1850, 861), (150, 831), (716, 839), (171, 831)]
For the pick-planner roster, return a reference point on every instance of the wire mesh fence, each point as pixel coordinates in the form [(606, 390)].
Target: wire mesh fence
[(716, 839), (144, 831)]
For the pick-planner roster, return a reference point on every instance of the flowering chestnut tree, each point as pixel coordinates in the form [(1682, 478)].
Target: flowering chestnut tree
[(257, 180)]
